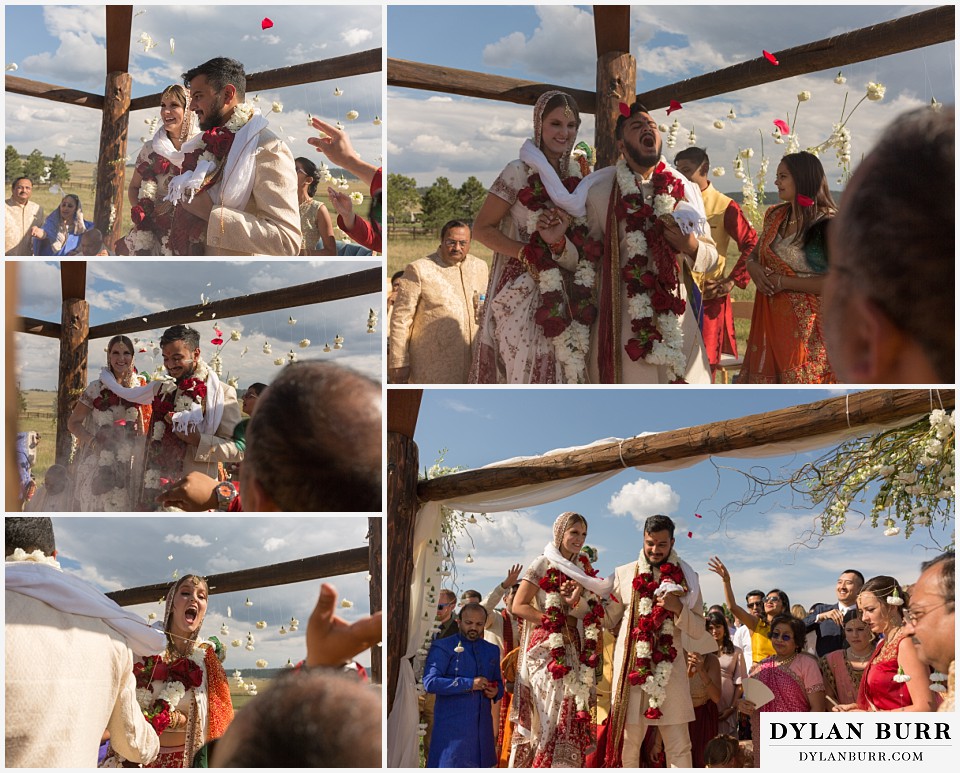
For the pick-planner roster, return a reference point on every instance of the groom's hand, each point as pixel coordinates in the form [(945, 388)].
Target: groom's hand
[(193, 493), (191, 438), (685, 243), (201, 206)]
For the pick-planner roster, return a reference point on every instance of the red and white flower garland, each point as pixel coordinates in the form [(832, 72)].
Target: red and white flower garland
[(651, 272), (654, 651), (567, 306), (578, 678)]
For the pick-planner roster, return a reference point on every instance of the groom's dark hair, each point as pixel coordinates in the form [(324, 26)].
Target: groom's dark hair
[(220, 71), (30, 534), (636, 107), (656, 523), (183, 333)]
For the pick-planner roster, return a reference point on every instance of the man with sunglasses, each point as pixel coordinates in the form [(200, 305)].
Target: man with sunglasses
[(447, 621), (827, 619), (436, 312), (929, 621), (742, 636)]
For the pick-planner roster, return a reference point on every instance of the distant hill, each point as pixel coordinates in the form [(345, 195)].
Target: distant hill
[(772, 197)]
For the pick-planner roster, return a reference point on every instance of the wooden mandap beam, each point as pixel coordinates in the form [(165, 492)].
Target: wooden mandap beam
[(448, 80), (37, 327), (333, 289), (29, 88), (893, 37), (801, 421), (360, 63), (300, 570)]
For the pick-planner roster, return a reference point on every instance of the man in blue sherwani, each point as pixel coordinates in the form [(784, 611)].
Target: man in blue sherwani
[(464, 673)]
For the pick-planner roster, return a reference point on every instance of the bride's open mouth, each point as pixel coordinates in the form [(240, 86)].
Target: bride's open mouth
[(190, 614)]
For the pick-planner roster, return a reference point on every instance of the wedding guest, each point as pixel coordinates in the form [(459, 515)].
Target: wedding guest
[(62, 229), (785, 345), (315, 223), (888, 312), (930, 623), (91, 244), (826, 620), (63, 639), (434, 322), (732, 672), (336, 146), (23, 219), (53, 496), (842, 669)]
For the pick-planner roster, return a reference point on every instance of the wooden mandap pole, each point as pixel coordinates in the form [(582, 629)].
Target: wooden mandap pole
[(74, 329), (616, 76)]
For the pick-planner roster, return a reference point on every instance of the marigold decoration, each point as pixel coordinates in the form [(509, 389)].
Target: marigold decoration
[(276, 107), (568, 304), (304, 343), (261, 624), (731, 115), (875, 91), (279, 361), (248, 602), (578, 678), (337, 92), (376, 120), (803, 96), (654, 652), (345, 604), (261, 663), (718, 124), (650, 272), (235, 643), (718, 171), (935, 106), (840, 79)]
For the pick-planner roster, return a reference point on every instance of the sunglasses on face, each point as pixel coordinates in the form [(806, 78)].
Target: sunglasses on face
[(771, 599), (444, 606), (753, 604), (781, 636)]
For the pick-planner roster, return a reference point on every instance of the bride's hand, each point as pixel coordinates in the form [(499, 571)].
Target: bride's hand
[(570, 592), (552, 225)]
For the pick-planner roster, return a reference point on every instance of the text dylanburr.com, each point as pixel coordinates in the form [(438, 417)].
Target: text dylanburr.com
[(850, 740)]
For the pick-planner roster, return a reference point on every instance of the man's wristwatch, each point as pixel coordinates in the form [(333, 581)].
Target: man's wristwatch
[(226, 493)]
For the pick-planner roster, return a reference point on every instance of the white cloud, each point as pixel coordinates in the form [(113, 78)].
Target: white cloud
[(191, 540), (274, 543), (354, 36), (644, 498)]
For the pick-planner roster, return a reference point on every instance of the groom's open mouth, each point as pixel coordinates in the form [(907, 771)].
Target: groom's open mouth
[(648, 141)]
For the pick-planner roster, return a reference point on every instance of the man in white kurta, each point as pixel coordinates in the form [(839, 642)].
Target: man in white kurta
[(639, 141), (69, 674), (628, 725), (23, 219)]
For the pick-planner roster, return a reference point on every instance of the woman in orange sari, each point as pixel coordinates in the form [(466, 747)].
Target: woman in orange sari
[(785, 345)]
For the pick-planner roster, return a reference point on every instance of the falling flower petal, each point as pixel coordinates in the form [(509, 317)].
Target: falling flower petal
[(804, 201), (121, 422), (674, 105), (624, 109), (346, 604), (697, 515), (770, 57), (782, 126), (216, 341), (164, 481), (277, 107), (690, 534), (266, 23), (353, 115)]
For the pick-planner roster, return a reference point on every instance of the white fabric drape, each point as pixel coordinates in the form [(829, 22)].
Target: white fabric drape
[(402, 738)]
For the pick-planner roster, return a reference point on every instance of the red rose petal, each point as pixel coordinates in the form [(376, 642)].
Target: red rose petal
[(216, 341), (782, 126), (804, 201), (690, 534), (164, 481), (266, 23), (770, 57), (121, 422), (624, 109), (697, 515), (674, 105)]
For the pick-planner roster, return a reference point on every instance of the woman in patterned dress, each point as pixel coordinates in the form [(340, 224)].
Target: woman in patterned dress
[(785, 345), (315, 223), (843, 669)]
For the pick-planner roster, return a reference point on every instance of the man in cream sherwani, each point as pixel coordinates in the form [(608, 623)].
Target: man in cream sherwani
[(69, 665), (253, 208), (628, 723)]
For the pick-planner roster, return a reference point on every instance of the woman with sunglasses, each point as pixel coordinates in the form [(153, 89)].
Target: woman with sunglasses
[(895, 679), (791, 674), (761, 614)]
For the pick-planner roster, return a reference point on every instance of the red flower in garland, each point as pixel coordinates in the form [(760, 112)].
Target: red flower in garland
[(138, 215), (218, 141), (161, 165)]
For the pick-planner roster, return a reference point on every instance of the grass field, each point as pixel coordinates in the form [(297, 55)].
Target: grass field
[(40, 417), (82, 175)]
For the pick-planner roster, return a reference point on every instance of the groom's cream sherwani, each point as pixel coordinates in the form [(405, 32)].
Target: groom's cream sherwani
[(270, 222)]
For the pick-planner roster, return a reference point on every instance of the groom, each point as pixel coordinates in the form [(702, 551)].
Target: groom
[(252, 209), (194, 415), (645, 311)]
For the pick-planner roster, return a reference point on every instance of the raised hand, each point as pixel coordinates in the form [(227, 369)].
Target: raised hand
[(512, 576), (716, 566), (331, 640)]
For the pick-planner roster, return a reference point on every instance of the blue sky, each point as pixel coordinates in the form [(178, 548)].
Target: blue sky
[(117, 552), (433, 134), (122, 290), (478, 427), (66, 45)]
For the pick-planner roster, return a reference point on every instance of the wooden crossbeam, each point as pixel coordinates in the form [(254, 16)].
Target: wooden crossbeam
[(29, 88), (299, 570), (893, 37), (801, 421), (360, 63), (38, 327), (333, 289)]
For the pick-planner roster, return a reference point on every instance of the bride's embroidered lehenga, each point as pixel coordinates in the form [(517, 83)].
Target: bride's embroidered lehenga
[(785, 345)]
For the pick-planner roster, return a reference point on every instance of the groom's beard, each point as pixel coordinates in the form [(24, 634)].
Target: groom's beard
[(215, 117), (187, 373), (642, 160)]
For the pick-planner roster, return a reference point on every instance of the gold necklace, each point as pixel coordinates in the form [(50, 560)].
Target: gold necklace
[(785, 661)]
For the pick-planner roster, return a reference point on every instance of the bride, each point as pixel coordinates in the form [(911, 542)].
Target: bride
[(158, 227), (541, 298)]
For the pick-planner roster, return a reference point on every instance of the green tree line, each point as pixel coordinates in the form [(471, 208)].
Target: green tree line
[(436, 205), (34, 166)]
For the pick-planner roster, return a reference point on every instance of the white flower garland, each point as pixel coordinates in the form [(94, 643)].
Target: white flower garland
[(669, 351), (655, 685), (570, 347), (36, 557)]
